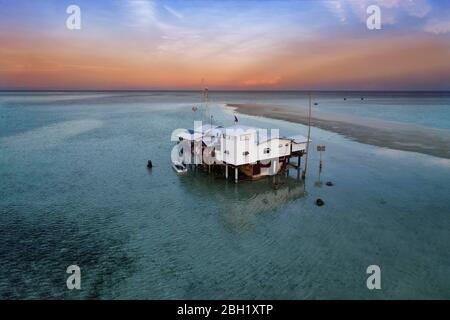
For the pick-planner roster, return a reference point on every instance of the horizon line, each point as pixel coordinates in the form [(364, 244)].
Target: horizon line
[(221, 90)]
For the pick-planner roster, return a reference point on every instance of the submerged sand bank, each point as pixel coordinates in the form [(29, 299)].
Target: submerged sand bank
[(400, 136)]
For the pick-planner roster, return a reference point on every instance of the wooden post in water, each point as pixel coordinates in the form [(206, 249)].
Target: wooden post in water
[(236, 174), (287, 161), (320, 163), (320, 149)]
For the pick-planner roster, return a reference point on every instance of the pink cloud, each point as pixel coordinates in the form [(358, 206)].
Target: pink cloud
[(262, 82)]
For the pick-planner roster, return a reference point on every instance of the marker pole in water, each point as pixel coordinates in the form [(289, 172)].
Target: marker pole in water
[(320, 163), (320, 149)]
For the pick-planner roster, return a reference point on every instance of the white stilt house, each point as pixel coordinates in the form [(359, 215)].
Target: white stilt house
[(246, 150)]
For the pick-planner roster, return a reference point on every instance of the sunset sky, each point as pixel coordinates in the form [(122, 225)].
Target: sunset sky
[(246, 45)]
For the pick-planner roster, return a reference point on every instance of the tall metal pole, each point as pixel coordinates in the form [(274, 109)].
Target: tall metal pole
[(205, 100), (309, 135), (202, 107)]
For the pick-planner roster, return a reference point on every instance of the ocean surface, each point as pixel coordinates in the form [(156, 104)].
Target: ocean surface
[(75, 190)]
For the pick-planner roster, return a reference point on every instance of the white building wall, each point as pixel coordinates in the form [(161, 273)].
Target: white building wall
[(298, 147), (233, 149), (187, 152), (277, 147)]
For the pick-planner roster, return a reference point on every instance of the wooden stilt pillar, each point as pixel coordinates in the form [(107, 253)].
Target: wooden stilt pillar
[(298, 167), (226, 171), (236, 174), (287, 161)]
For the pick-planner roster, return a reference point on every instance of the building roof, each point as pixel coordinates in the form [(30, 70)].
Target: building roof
[(207, 133), (185, 134), (210, 134), (274, 138), (237, 130), (205, 128), (298, 139)]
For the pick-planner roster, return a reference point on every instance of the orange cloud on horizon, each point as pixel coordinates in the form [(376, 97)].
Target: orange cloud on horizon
[(369, 63)]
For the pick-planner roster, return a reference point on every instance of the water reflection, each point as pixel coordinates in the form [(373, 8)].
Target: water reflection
[(238, 205)]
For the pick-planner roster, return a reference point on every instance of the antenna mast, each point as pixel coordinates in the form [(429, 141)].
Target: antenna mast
[(309, 135), (205, 101)]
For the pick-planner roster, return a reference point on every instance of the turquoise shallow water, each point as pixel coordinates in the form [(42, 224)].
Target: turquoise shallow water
[(75, 190)]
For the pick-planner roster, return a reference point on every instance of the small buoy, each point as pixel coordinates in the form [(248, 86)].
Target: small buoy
[(319, 202), (315, 103), (362, 98), (329, 183), (149, 164), (345, 98)]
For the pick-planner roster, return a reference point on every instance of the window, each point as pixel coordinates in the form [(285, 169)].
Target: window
[(245, 153), (226, 152), (266, 150), (245, 137)]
